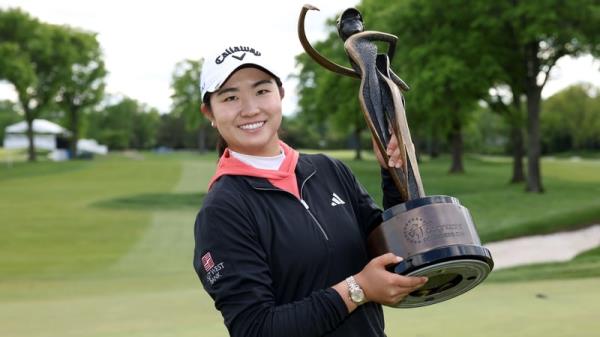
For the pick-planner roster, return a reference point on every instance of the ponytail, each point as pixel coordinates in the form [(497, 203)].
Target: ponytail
[(221, 144)]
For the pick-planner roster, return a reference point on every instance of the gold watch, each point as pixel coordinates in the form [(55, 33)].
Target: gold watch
[(357, 295)]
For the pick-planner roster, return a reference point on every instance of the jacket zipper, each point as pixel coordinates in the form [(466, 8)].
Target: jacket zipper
[(303, 204), (308, 208), (316, 221)]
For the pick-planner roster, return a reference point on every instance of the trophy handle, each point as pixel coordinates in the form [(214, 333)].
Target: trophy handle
[(320, 59)]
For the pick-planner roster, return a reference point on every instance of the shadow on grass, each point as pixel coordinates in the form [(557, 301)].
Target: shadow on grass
[(155, 201), (42, 168)]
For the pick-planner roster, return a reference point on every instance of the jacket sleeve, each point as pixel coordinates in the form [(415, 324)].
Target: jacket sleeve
[(234, 270), (391, 195)]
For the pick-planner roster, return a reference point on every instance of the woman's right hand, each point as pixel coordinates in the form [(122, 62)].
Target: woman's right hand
[(384, 287)]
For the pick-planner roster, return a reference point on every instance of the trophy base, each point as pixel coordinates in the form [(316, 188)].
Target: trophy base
[(451, 271), (437, 238)]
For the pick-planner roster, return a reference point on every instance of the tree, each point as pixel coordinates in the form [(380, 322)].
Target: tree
[(17, 61), (83, 84), (439, 56), (187, 98), (571, 119), (173, 134), (526, 39), (9, 114), (145, 128), (124, 124), (506, 101), (36, 58)]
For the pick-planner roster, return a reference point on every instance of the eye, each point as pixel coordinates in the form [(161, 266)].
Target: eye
[(263, 92), (230, 98)]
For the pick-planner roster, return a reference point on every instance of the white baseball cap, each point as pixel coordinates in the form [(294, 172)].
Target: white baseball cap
[(220, 65)]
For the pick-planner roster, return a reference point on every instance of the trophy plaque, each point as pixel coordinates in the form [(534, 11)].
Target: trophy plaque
[(435, 235)]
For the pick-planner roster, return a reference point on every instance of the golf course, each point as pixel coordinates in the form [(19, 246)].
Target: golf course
[(103, 248)]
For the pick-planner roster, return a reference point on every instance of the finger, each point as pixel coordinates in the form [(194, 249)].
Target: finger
[(392, 146), (386, 259), (411, 281), (378, 154), (397, 159)]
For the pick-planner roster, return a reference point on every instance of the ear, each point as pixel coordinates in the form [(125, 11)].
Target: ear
[(281, 92), (206, 112)]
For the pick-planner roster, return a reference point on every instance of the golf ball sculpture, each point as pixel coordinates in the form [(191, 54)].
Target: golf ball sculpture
[(435, 235)]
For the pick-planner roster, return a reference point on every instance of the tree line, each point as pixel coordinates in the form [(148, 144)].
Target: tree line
[(476, 72), (455, 55)]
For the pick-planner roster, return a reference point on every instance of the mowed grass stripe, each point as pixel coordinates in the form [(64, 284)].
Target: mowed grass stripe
[(528, 309), (166, 246)]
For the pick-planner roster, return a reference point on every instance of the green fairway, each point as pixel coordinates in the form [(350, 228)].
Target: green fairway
[(104, 248)]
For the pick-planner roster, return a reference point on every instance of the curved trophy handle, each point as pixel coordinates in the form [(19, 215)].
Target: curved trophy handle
[(380, 93), (320, 59)]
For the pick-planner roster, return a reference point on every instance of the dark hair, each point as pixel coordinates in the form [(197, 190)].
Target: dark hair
[(221, 143)]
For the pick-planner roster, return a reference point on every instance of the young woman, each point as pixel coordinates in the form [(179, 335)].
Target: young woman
[(281, 236)]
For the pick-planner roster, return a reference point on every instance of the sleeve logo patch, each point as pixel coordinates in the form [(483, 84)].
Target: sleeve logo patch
[(207, 262), (213, 271)]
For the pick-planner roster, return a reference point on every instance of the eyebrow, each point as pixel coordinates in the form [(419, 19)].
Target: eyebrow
[(233, 89)]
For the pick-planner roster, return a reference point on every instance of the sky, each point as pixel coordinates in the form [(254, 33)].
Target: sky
[(142, 41)]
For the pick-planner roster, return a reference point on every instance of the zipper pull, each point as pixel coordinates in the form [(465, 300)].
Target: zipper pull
[(304, 203)]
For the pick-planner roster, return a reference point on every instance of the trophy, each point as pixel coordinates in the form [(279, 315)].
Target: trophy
[(435, 235)]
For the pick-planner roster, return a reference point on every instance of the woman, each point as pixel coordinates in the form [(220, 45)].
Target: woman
[(281, 236)]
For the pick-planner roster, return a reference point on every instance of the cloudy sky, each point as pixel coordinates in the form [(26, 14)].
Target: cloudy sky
[(143, 40)]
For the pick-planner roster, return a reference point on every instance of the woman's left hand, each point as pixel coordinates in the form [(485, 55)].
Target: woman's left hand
[(393, 152)]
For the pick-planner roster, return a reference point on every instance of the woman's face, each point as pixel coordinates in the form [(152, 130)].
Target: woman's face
[(247, 112)]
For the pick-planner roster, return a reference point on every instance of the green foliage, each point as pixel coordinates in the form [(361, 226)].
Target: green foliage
[(486, 133), (187, 100), (83, 85), (173, 133), (49, 64), (9, 114), (124, 124), (571, 119), (186, 95), (17, 28)]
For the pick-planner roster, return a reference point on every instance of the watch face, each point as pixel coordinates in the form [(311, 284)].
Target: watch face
[(357, 295)]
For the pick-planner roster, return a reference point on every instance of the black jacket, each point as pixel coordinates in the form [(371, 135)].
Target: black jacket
[(269, 260)]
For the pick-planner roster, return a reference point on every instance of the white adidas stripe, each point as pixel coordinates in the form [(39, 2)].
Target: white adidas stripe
[(336, 200)]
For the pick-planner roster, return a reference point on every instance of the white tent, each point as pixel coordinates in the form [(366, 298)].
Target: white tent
[(39, 126), (91, 146), (44, 135)]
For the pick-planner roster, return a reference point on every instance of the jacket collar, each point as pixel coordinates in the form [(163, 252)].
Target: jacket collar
[(304, 170)]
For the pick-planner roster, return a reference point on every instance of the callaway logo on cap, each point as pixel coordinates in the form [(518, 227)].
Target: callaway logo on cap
[(218, 67)]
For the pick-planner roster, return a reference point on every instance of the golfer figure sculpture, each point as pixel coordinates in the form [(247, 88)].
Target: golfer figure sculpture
[(434, 234)]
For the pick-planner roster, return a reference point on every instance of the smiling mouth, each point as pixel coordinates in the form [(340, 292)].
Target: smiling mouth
[(252, 126)]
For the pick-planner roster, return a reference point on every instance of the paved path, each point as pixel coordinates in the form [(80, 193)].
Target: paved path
[(557, 247)]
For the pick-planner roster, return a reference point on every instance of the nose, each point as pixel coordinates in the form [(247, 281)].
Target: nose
[(249, 107)]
